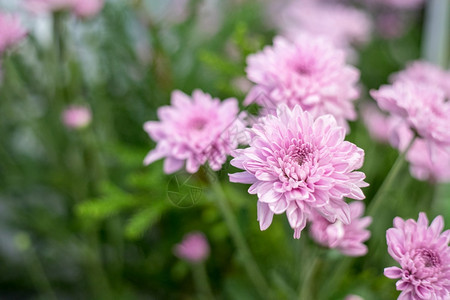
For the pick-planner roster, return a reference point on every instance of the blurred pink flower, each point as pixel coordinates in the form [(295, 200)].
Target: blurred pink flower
[(353, 297), (400, 4), (298, 165), (347, 238), (11, 31), (310, 72), (376, 122), (390, 24), (87, 8), (425, 73), (193, 248), (422, 106), (195, 130), (76, 117), (344, 25), (81, 8), (429, 162), (424, 256)]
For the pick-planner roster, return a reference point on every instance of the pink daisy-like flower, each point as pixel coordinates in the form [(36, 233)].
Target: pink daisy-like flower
[(347, 238), (11, 31), (194, 248), (298, 165), (425, 73), (344, 25), (422, 106), (423, 253), (309, 72), (81, 8), (194, 130)]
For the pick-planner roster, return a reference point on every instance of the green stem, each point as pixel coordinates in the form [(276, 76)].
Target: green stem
[(332, 282), (37, 273), (436, 32), (247, 259), (201, 281), (388, 181), (306, 290)]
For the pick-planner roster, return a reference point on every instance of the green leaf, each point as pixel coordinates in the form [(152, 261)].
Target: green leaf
[(144, 219)]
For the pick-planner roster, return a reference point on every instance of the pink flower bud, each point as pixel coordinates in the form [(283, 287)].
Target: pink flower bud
[(76, 117), (193, 248)]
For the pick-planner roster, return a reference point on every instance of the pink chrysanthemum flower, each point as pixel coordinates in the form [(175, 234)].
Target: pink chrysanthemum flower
[(195, 131), (425, 73), (194, 248), (81, 8), (422, 106), (347, 238), (344, 25), (298, 165), (11, 31), (309, 72), (424, 256)]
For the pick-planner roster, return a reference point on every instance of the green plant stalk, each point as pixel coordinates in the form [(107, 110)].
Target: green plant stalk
[(247, 259), (388, 181), (436, 32), (306, 290), (38, 275), (201, 281)]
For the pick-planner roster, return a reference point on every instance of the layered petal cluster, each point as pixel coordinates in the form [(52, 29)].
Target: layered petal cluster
[(347, 238), (193, 248), (195, 130), (299, 165), (81, 8), (344, 25), (423, 107), (11, 31), (418, 104), (423, 253), (309, 72), (423, 72)]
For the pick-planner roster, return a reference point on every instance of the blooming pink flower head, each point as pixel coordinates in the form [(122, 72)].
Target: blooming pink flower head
[(194, 130), (347, 238), (11, 31), (298, 165), (344, 25), (426, 73), (194, 248), (423, 107), (76, 117), (423, 253), (309, 72), (81, 8)]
